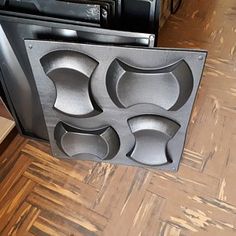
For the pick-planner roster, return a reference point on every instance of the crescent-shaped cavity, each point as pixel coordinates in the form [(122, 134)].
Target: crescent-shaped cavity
[(152, 134), (102, 143), (71, 73), (168, 87)]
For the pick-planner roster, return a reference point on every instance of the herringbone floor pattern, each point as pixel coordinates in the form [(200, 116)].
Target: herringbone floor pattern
[(40, 195)]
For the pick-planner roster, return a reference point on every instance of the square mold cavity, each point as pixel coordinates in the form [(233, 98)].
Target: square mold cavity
[(116, 104)]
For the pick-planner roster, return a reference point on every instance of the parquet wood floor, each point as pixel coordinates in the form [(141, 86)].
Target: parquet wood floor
[(40, 195)]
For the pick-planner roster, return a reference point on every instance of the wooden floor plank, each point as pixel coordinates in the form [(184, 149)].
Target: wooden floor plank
[(126, 209), (74, 169), (13, 200), (22, 220), (13, 176), (93, 223), (75, 190), (10, 156)]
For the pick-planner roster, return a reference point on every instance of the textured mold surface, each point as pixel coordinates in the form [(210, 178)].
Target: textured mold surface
[(71, 71), (102, 143), (146, 97), (152, 134), (167, 87)]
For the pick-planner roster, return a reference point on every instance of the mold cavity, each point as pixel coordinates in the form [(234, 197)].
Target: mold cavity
[(152, 134), (168, 87), (103, 143), (71, 73)]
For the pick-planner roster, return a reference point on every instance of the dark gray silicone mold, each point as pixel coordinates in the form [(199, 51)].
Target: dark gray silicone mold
[(116, 104)]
